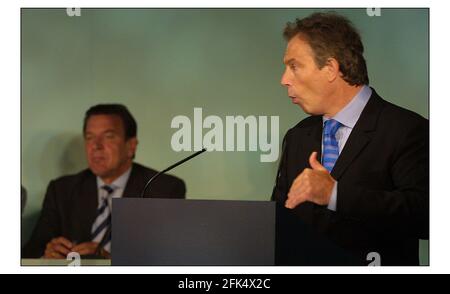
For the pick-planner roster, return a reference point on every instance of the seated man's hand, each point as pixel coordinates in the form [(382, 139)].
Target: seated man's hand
[(89, 248), (313, 185), (58, 248)]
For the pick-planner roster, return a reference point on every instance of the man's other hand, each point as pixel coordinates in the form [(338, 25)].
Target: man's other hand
[(58, 248), (89, 248)]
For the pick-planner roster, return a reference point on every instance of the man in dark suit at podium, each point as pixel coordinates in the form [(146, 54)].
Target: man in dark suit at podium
[(356, 170), (76, 212)]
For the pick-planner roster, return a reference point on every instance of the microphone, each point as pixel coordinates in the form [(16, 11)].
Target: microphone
[(169, 168), (107, 237)]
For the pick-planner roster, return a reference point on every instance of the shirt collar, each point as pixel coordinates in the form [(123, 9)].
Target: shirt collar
[(120, 182), (349, 115)]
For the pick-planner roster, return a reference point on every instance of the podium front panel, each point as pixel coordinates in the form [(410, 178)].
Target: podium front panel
[(157, 231)]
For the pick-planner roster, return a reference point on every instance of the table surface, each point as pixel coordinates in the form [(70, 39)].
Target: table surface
[(64, 262)]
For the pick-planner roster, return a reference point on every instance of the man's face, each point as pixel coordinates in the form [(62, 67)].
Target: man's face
[(108, 153), (307, 85)]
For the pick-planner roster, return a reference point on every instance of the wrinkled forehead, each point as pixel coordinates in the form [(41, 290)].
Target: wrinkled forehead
[(297, 49)]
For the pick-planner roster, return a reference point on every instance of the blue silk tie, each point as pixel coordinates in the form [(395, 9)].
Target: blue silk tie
[(330, 144)]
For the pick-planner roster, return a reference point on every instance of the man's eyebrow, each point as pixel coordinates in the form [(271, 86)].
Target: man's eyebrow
[(289, 61), (104, 132), (110, 131)]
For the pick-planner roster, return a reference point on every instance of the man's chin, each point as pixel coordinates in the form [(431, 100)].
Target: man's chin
[(305, 110), (99, 172), (309, 110)]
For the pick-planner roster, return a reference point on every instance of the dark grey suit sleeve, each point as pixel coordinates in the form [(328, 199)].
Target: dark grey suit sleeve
[(47, 227)]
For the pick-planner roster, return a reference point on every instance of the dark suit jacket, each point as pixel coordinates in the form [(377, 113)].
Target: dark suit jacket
[(382, 190), (70, 205)]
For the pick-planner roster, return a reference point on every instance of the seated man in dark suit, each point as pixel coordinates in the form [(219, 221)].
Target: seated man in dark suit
[(356, 170), (76, 213)]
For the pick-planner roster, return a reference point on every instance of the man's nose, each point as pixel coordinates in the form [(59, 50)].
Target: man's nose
[(98, 144), (285, 81)]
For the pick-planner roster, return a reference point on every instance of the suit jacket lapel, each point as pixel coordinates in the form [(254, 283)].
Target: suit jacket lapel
[(134, 184), (360, 135), (315, 142), (312, 143), (88, 205)]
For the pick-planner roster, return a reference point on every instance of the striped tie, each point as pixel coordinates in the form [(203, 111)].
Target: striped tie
[(103, 220), (330, 144)]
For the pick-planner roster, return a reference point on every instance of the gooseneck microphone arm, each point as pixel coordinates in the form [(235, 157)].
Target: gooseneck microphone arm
[(108, 231), (169, 168)]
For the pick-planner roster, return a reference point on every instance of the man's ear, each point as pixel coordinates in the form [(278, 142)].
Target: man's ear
[(332, 69), (132, 146)]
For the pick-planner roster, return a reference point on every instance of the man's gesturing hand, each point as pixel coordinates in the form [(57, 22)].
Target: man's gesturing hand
[(313, 184)]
